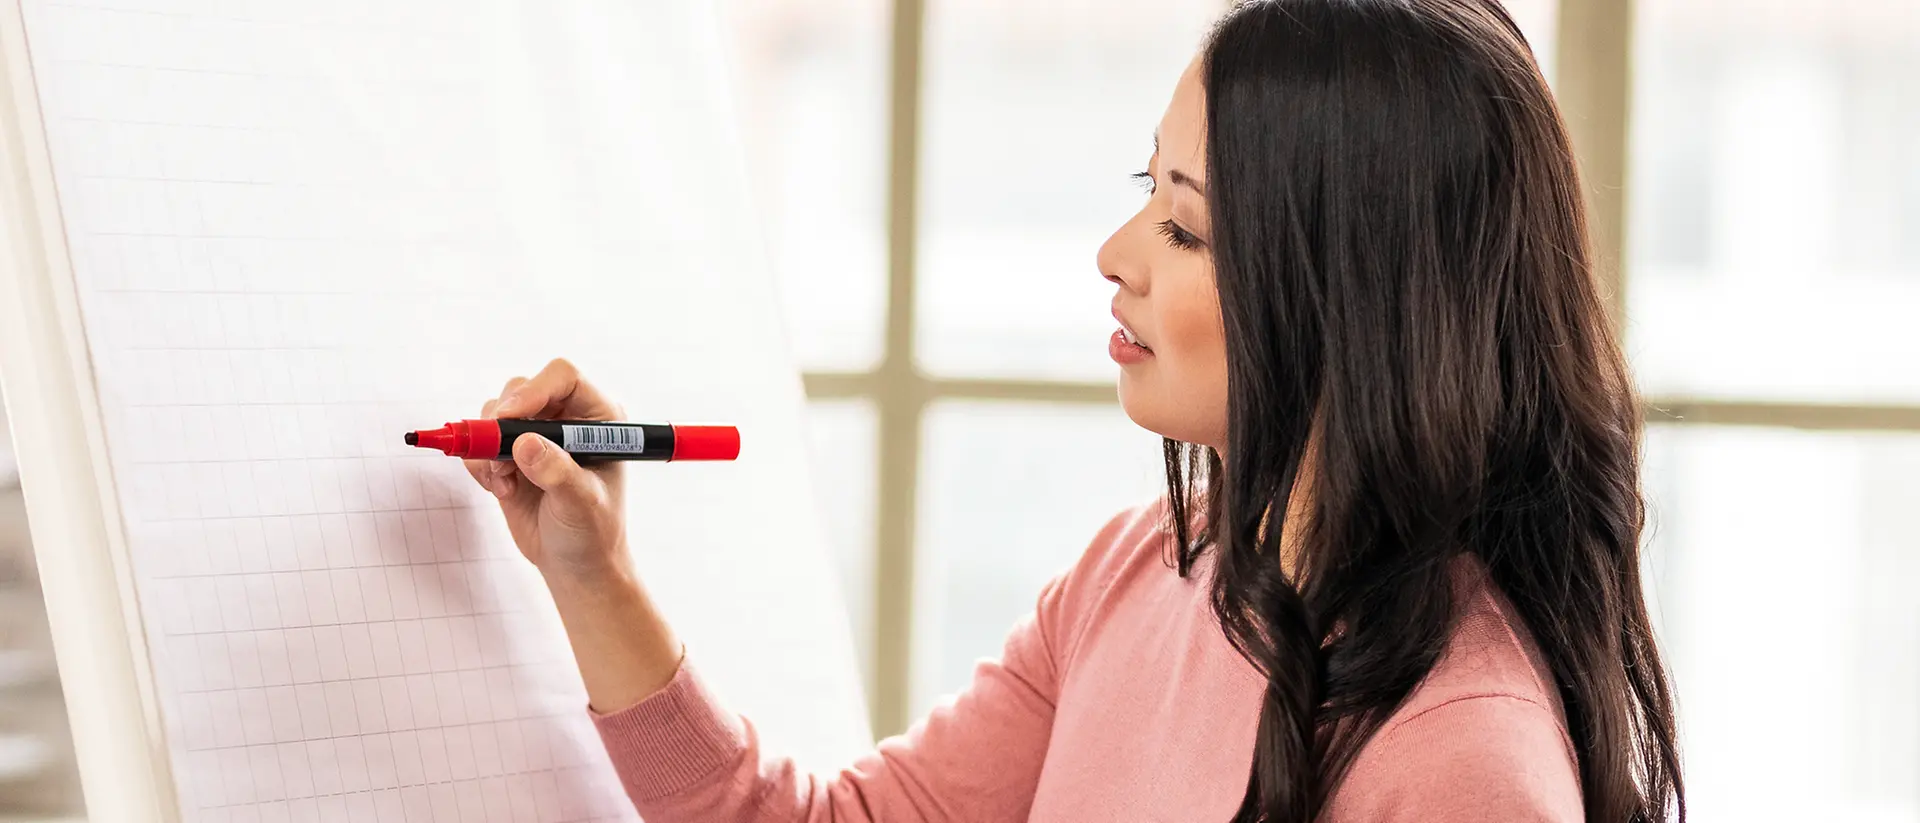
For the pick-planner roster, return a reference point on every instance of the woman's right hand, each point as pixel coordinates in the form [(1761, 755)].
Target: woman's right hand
[(567, 519), (571, 522)]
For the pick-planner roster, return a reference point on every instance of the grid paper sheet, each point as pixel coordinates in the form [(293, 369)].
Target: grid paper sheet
[(300, 229)]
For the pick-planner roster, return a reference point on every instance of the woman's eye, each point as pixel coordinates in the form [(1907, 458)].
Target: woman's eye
[(1178, 237), (1144, 180)]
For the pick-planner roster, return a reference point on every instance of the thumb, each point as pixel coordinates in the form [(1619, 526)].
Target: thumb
[(553, 470)]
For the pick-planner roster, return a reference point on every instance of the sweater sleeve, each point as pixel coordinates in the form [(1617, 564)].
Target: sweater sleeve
[(1489, 757), (682, 756)]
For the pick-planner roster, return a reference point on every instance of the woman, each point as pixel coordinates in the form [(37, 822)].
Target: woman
[(1396, 577)]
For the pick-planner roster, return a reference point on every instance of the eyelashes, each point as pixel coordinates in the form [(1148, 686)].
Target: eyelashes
[(1177, 237)]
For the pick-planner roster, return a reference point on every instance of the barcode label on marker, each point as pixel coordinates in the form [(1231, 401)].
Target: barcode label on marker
[(603, 439)]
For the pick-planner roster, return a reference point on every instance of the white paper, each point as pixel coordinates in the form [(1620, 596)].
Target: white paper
[(301, 229)]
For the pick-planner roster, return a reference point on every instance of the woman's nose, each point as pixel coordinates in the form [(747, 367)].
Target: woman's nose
[(1112, 263)]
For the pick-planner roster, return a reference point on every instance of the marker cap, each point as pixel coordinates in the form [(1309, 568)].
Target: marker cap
[(706, 443)]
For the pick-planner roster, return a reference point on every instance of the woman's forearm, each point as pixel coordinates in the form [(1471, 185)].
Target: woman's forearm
[(623, 645)]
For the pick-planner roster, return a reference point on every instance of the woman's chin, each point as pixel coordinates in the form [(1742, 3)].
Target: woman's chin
[(1145, 408), (1175, 415)]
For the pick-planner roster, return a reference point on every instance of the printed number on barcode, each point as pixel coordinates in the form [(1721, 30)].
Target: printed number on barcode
[(620, 439)]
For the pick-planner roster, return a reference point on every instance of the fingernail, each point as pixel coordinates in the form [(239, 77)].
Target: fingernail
[(512, 400), (536, 448)]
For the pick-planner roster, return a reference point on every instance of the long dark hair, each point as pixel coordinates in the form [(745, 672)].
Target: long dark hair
[(1414, 335)]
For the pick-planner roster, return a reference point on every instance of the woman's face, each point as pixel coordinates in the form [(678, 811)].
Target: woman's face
[(1171, 347)]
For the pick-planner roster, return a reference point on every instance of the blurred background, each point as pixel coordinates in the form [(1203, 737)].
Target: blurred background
[(936, 175), (37, 776)]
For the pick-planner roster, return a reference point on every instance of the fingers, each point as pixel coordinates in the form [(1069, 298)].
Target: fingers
[(554, 471), (495, 476), (491, 409), (482, 471), (498, 477), (557, 391)]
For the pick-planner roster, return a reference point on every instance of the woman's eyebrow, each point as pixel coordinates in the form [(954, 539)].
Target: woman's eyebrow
[(1176, 176), (1179, 178)]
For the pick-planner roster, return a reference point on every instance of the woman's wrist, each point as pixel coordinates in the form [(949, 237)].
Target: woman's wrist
[(624, 647), (604, 573)]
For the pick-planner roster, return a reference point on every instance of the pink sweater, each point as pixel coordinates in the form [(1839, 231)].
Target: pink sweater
[(1119, 699)]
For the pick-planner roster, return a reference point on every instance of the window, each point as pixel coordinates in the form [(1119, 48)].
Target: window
[(1785, 573), (810, 78), (1034, 113), (1771, 281), (1776, 201), (844, 438)]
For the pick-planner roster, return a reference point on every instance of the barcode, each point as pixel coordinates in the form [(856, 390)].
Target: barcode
[(615, 439)]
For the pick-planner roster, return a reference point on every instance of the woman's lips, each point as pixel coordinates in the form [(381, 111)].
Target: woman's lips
[(1124, 351), (1125, 346)]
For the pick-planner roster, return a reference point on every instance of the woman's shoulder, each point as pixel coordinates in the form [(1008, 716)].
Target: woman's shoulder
[(1490, 652), (1136, 535), (1483, 737), (1131, 541), (1130, 551), (1473, 757)]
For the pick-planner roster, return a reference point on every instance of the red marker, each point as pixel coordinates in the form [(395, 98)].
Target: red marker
[(597, 439)]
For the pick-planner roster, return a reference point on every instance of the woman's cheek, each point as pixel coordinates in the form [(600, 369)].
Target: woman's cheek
[(1195, 336), (1194, 369)]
